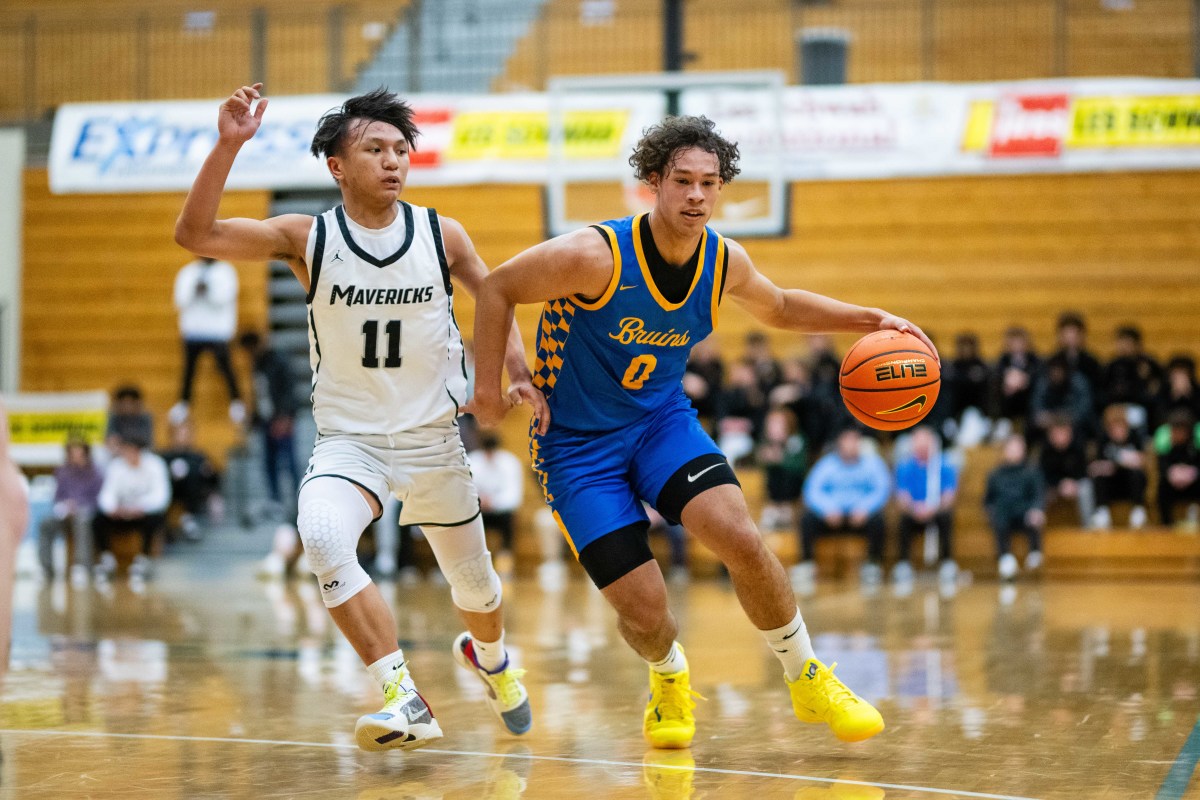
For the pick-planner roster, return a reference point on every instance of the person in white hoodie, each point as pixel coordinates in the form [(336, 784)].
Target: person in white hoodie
[(206, 293), (134, 496)]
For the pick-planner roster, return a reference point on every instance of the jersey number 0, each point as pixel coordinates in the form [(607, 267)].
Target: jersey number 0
[(370, 330)]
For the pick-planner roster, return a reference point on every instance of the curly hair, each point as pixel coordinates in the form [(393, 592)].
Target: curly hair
[(377, 106), (660, 146)]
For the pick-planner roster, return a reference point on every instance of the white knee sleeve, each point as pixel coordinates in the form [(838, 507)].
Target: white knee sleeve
[(461, 552), (332, 516)]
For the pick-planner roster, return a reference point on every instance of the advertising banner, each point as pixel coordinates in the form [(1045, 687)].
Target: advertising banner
[(842, 132)]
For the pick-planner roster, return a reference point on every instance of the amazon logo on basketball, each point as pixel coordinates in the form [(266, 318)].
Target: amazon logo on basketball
[(904, 369)]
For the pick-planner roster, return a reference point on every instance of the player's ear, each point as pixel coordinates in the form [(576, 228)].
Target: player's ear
[(335, 167), (653, 180)]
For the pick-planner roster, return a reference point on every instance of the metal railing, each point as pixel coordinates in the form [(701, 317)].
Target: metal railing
[(165, 54)]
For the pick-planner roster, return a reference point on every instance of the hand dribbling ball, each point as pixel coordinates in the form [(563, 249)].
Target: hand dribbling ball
[(890, 380)]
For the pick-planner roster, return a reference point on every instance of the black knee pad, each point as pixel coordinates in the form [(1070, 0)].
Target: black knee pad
[(701, 473)]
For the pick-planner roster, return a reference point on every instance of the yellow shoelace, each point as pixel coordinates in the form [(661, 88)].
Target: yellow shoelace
[(674, 700), (508, 686), (836, 693)]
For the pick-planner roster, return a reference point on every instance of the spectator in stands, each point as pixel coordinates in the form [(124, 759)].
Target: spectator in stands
[(741, 408), (194, 479), (824, 364), (1180, 390), (704, 379), (766, 366), (677, 570), (845, 492), (274, 413), (500, 478), (77, 485), (1132, 378), (824, 414), (1119, 470), (783, 457), (1060, 392), (206, 294), (1015, 372), (1072, 347), (1015, 502), (967, 379), (134, 496), (1064, 464), (924, 475), (127, 416), (1178, 446)]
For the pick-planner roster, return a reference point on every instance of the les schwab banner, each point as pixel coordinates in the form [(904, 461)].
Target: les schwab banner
[(844, 132)]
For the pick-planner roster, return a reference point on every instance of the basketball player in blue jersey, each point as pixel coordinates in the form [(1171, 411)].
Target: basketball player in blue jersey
[(388, 383), (624, 302)]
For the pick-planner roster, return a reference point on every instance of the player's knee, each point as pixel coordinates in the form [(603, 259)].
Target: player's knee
[(474, 584), (329, 527)]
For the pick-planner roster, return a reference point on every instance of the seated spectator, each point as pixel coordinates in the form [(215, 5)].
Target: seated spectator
[(1014, 374), (1132, 378), (1057, 392), (500, 479), (783, 458), (127, 416), (677, 571), (1014, 502), (923, 474), (1072, 348), (274, 414), (766, 366), (194, 479), (1119, 470), (1064, 463), (77, 485), (823, 413), (134, 496), (845, 492), (1178, 446), (704, 379), (1179, 391), (741, 407), (968, 378)]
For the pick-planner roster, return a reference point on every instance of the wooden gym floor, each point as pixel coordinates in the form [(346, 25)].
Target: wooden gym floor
[(213, 684)]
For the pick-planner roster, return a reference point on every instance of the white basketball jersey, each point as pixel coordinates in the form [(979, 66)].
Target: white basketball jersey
[(385, 350)]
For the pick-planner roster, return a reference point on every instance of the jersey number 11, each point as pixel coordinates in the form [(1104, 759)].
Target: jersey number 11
[(370, 330)]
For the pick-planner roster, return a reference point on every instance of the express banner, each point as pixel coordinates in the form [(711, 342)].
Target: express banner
[(844, 132), (40, 423)]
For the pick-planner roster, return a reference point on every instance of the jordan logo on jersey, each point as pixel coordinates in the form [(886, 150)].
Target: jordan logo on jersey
[(380, 297), (633, 331)]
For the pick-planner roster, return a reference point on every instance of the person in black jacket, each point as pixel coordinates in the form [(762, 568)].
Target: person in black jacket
[(274, 412), (1014, 375), (1178, 465), (1015, 502), (1064, 463), (1072, 348)]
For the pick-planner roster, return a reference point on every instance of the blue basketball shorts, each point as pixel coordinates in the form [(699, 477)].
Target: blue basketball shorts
[(595, 481)]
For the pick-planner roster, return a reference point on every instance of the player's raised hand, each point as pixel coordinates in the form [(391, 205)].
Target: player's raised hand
[(523, 393), (237, 122), (892, 322)]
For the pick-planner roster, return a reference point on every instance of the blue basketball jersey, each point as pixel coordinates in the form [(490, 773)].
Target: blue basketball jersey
[(607, 363)]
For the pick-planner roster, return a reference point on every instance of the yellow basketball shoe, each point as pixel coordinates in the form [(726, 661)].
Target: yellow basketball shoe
[(669, 722), (819, 696)]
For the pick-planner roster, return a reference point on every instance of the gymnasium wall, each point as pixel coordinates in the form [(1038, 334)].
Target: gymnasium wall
[(12, 162), (97, 287), (953, 254)]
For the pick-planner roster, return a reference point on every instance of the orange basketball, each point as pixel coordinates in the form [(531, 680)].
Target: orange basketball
[(890, 380)]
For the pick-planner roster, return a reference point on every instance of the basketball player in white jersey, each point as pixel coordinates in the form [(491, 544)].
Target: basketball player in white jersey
[(388, 383)]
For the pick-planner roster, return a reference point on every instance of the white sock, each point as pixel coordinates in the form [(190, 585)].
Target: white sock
[(385, 669), (490, 655), (791, 646), (674, 661)]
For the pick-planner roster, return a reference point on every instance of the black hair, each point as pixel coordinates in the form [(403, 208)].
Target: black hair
[(1071, 319), (377, 106), (1130, 332), (660, 146), (128, 391)]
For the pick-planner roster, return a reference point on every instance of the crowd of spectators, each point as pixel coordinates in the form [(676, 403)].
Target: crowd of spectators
[(1073, 429)]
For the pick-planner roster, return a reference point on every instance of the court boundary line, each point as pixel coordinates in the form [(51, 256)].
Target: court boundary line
[(526, 756), (1179, 777)]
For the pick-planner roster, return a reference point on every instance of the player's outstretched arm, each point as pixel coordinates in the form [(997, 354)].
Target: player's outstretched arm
[(577, 263), (469, 270), (798, 310), (198, 229)]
